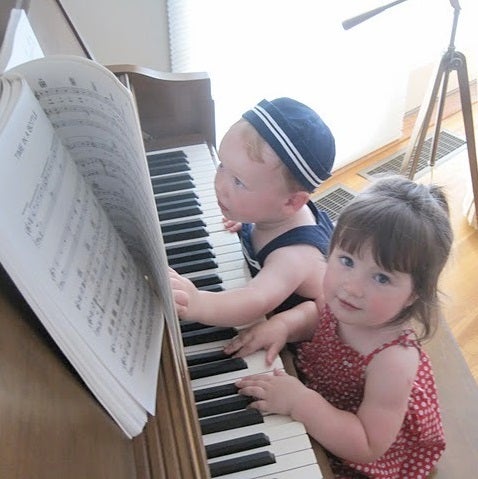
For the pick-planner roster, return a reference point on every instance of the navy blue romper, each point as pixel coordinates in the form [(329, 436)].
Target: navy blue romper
[(318, 236)]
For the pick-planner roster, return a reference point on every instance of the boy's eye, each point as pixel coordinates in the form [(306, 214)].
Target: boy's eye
[(238, 182), (382, 278)]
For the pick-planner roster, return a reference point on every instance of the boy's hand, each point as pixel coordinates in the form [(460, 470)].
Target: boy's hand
[(276, 393), (268, 335), (184, 292), (232, 226)]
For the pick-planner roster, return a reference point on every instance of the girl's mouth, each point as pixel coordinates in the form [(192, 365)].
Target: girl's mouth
[(347, 306)]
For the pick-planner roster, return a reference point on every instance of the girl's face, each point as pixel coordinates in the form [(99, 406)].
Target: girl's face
[(359, 292), (248, 191)]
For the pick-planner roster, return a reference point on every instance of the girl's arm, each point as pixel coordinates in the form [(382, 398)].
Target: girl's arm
[(293, 325), (361, 437)]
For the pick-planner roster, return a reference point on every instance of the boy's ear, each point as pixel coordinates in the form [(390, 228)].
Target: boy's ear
[(297, 200)]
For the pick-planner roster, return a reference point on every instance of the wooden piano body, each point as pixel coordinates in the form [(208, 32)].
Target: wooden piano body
[(50, 424)]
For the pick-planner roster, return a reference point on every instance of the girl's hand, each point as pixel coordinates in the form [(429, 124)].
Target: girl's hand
[(232, 226), (270, 335), (276, 393)]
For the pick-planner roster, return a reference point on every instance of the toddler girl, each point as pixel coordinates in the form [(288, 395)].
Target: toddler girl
[(367, 393)]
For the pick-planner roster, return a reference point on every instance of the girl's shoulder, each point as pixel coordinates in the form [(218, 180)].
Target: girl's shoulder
[(400, 357)]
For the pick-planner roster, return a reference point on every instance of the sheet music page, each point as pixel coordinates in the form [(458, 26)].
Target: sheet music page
[(94, 115), (65, 256), (20, 43)]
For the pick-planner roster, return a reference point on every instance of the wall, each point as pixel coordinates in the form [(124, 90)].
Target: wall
[(136, 32), (123, 31)]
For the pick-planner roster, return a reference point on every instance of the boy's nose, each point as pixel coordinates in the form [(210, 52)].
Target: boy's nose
[(218, 183)]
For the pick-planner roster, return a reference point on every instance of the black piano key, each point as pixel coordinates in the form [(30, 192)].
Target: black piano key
[(206, 280), (170, 203), (168, 168), (232, 420), (175, 213), (216, 367), (208, 335), (185, 234), (239, 444), (220, 406), (215, 288), (154, 161), (169, 186), (198, 246), (180, 226), (206, 357), (184, 231), (214, 392), (194, 266), (251, 461), (191, 325), (167, 155), (190, 256), (176, 198)]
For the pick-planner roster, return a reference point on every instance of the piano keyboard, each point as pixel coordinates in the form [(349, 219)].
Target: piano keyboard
[(240, 443)]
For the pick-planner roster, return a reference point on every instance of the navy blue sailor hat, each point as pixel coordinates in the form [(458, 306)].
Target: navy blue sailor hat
[(298, 136)]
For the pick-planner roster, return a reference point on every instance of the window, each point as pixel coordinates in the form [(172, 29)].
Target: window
[(356, 80)]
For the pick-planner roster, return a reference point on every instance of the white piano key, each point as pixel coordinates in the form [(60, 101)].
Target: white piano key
[(218, 345), (275, 426), (256, 364), (280, 447), (312, 471), (199, 348), (287, 462), (227, 270)]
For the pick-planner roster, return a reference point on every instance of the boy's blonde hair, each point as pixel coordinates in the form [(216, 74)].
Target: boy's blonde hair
[(258, 149)]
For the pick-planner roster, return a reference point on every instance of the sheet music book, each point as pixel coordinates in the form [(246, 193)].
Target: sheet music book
[(79, 231)]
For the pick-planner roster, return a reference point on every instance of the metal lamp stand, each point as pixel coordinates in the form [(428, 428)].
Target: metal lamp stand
[(451, 60)]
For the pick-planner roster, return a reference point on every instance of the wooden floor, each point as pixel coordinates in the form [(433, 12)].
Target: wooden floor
[(459, 280)]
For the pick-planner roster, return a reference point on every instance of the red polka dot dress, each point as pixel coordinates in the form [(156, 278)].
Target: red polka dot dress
[(337, 371)]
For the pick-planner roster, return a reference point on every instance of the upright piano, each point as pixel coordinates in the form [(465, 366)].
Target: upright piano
[(51, 426)]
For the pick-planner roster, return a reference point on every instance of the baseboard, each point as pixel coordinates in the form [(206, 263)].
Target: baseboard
[(452, 106)]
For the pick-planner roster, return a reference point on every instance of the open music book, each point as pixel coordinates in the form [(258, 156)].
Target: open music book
[(79, 232)]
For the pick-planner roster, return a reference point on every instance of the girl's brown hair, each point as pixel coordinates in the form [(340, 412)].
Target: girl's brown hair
[(408, 228)]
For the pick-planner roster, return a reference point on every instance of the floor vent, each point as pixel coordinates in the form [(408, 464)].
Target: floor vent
[(448, 146), (333, 200)]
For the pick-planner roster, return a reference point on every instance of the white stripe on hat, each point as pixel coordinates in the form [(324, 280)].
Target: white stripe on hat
[(288, 146)]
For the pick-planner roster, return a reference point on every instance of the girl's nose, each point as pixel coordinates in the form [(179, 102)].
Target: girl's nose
[(353, 285)]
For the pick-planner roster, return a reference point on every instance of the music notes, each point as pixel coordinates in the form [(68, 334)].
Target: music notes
[(73, 212), (93, 116)]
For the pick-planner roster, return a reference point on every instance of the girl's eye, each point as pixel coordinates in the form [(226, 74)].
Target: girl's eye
[(382, 278), (346, 261)]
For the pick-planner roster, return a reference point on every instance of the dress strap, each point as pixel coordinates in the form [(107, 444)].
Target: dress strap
[(407, 338)]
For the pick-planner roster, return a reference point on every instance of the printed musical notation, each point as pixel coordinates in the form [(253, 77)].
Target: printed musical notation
[(66, 225), (80, 232), (93, 121)]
